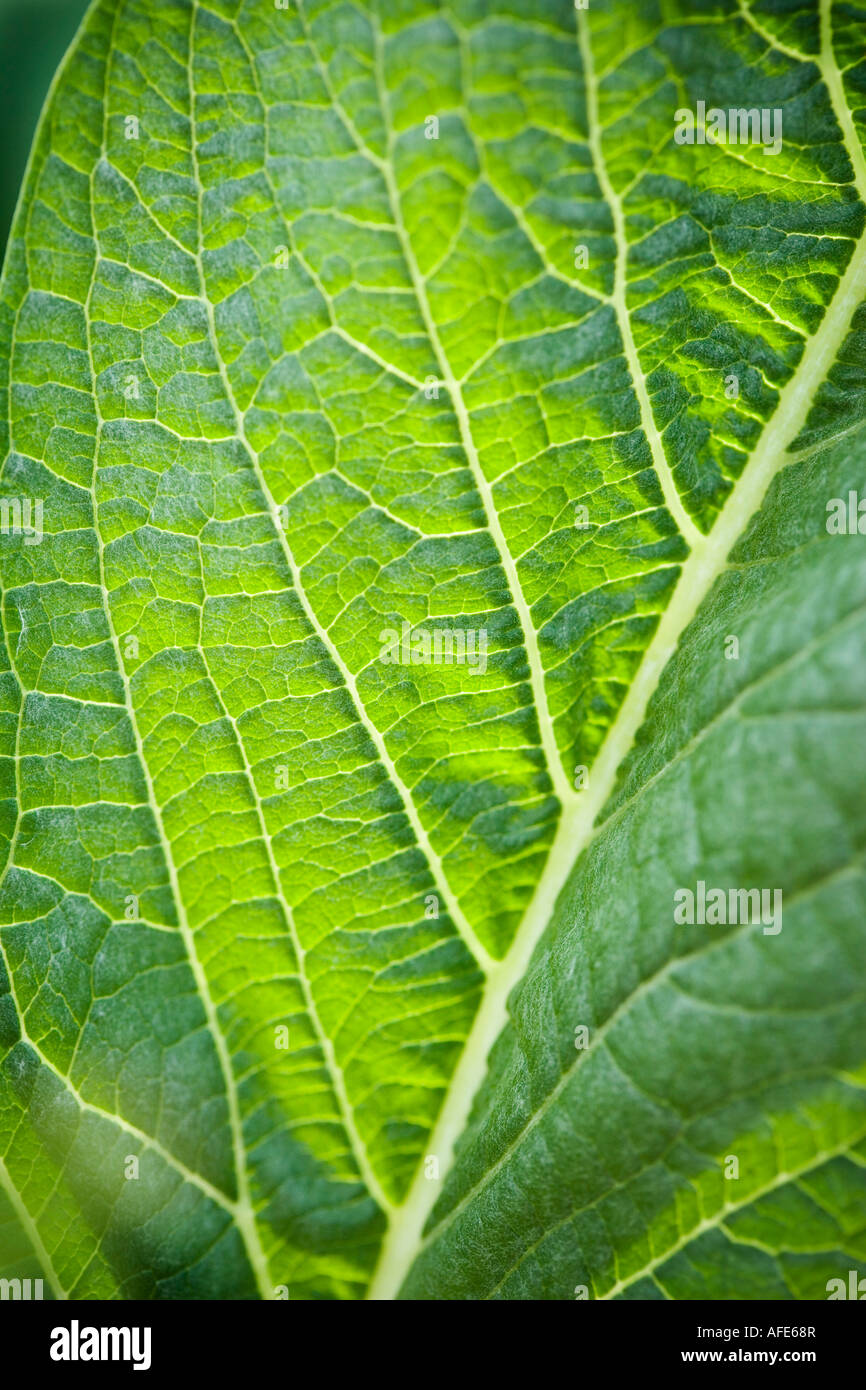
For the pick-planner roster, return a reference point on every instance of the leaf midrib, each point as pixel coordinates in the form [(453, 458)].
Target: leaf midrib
[(577, 823), (577, 828), (600, 1034)]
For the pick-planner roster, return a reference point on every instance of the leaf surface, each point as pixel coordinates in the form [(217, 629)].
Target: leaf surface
[(302, 348)]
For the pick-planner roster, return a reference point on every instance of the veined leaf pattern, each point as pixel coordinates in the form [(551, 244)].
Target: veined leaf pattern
[(344, 319)]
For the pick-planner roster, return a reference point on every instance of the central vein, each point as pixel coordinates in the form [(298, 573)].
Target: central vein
[(706, 563)]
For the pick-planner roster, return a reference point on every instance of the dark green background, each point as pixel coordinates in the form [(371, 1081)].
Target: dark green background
[(34, 35)]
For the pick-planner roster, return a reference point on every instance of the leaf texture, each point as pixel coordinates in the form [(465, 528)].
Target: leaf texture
[(322, 322)]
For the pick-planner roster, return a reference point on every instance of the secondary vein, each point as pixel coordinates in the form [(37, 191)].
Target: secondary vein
[(579, 826), (687, 528), (562, 786)]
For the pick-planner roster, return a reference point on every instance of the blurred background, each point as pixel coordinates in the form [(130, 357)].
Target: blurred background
[(34, 35)]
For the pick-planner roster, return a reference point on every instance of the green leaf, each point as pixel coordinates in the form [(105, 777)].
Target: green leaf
[(604, 1160), (325, 974)]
